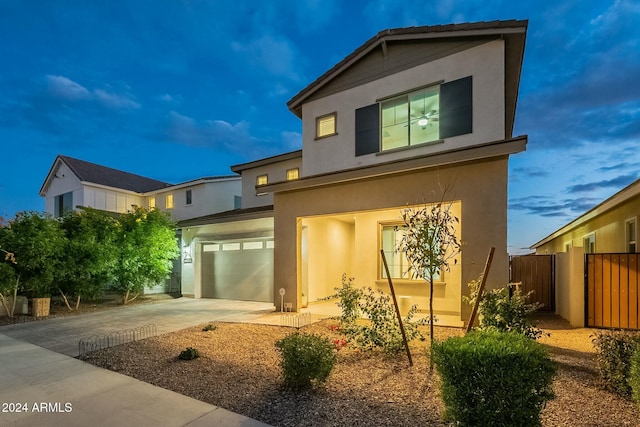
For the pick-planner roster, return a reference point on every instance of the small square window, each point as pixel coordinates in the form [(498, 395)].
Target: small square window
[(262, 180), (188, 197), (326, 125), (293, 174), (169, 204)]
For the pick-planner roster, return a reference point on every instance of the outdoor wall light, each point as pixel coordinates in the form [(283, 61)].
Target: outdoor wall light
[(186, 251)]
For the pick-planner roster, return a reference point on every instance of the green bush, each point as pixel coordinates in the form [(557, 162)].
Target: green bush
[(189, 353), (614, 350), (634, 376), (503, 312), (492, 378), (306, 359), (209, 327), (382, 329)]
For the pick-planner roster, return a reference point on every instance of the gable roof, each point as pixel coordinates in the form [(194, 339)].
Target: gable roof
[(627, 193), (512, 31), (102, 175)]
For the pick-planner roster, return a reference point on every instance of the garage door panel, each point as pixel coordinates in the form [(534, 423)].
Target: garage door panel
[(242, 274)]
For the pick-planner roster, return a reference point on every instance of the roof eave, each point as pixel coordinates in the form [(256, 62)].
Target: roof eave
[(412, 33)]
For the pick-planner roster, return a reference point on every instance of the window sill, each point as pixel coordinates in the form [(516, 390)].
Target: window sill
[(385, 282), (409, 147), (317, 138)]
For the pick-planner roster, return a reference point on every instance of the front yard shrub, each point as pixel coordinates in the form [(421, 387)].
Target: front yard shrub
[(189, 353), (503, 312), (306, 359), (492, 378), (614, 350), (634, 376), (382, 329)]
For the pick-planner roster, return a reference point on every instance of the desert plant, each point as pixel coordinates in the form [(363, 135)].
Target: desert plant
[(492, 378), (306, 359), (614, 350), (504, 312), (634, 376), (381, 328), (189, 353)]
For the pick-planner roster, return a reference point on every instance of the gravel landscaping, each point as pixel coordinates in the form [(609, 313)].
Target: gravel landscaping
[(238, 370)]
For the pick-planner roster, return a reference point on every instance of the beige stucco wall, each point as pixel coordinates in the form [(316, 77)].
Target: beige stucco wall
[(485, 63), (277, 172), (609, 229), (480, 187), (570, 286), (207, 198)]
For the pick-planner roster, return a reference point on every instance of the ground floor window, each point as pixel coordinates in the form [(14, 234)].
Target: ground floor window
[(399, 265)]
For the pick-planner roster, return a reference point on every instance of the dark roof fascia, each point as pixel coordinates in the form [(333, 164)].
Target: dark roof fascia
[(229, 216), (628, 192), (266, 161), (503, 28), (472, 153)]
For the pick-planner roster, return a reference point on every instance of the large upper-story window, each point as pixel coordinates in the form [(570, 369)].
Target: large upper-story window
[(411, 119), (423, 115)]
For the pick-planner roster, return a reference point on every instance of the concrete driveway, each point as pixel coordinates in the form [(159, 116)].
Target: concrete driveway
[(63, 334), (41, 385)]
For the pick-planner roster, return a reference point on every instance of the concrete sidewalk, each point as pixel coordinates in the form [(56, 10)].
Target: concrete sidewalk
[(41, 387)]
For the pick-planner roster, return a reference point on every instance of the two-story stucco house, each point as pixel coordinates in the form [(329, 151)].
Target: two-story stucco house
[(410, 110)]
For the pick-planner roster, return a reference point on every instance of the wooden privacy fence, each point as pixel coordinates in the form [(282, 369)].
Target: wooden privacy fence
[(536, 273), (611, 288)]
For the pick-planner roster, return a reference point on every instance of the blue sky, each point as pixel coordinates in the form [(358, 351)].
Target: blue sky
[(177, 90)]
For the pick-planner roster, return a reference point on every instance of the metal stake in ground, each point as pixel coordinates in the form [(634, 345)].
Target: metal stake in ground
[(395, 303)]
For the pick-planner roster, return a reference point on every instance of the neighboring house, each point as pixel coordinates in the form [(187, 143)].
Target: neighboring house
[(609, 228), (72, 183), (410, 110)]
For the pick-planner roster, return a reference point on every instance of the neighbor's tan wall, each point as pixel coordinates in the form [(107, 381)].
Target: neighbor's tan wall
[(570, 286), (481, 187), (609, 229)]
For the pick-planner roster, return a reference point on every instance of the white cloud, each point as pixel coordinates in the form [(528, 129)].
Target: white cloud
[(274, 55), (116, 101), (62, 87)]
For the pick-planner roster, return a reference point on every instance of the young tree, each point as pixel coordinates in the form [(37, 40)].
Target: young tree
[(147, 246), (429, 241), (89, 255)]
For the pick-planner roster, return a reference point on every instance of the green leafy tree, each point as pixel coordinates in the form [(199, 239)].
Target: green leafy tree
[(90, 254), (9, 282), (37, 241), (430, 243), (147, 246)]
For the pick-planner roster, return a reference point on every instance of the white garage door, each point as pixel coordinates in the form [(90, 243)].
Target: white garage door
[(241, 270)]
